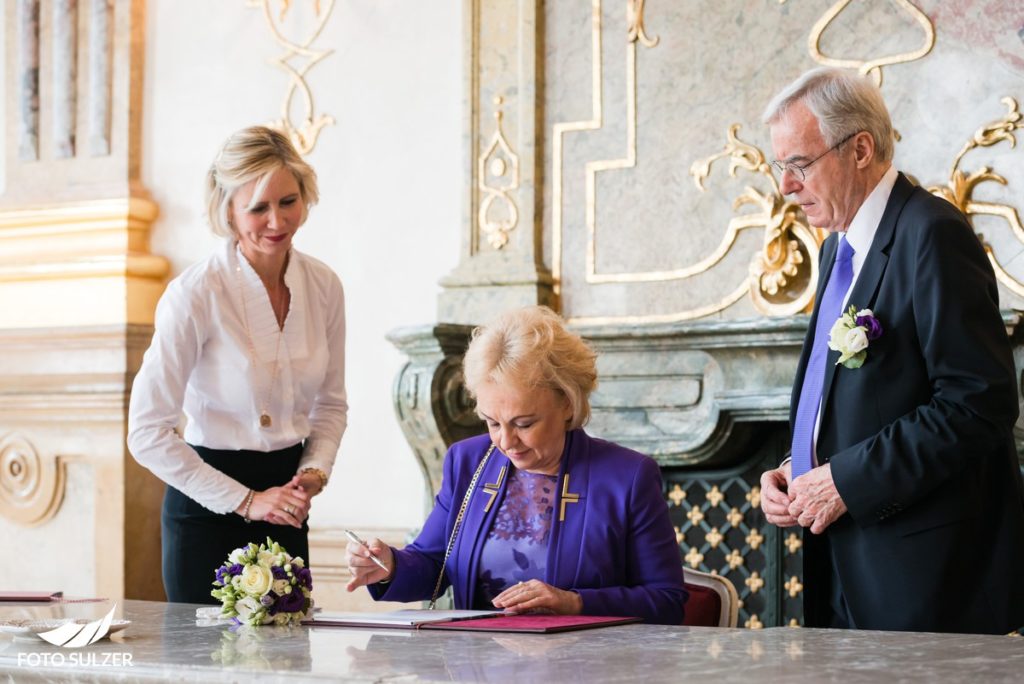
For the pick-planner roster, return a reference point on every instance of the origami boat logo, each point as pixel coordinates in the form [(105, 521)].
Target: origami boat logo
[(76, 635)]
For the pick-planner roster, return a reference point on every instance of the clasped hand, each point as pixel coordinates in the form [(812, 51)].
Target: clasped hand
[(810, 500), (288, 504)]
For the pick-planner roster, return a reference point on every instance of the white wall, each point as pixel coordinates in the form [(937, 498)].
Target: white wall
[(390, 183)]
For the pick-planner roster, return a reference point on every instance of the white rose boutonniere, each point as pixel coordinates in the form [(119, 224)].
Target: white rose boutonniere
[(851, 334)]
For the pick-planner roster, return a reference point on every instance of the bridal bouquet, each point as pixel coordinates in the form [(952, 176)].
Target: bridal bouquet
[(262, 585)]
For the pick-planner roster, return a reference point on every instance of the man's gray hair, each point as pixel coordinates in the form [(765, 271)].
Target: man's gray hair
[(844, 103)]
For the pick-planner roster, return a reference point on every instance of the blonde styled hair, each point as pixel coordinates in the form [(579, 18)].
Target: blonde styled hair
[(530, 347), (254, 153)]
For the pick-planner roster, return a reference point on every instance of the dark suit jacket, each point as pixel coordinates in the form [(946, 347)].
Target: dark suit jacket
[(920, 437), (616, 547)]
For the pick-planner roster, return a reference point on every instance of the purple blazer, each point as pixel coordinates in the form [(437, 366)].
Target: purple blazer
[(611, 538)]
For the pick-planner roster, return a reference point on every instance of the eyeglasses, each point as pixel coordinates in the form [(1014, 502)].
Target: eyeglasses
[(799, 171)]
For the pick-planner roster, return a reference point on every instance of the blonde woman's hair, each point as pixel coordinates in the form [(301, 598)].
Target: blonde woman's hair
[(529, 348), (253, 153)]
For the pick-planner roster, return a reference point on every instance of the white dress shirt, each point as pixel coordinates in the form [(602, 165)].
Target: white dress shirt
[(864, 225), (200, 363), (860, 235)]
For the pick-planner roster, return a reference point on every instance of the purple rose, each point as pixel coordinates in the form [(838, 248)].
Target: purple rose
[(305, 577), (872, 328), (220, 576), (292, 602), (225, 572)]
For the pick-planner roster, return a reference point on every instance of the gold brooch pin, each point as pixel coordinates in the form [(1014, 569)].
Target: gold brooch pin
[(567, 497), (491, 489)]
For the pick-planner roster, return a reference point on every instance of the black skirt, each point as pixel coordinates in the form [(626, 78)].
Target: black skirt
[(196, 541)]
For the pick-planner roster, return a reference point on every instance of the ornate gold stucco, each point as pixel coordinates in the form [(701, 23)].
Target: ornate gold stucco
[(960, 188), (872, 66), (304, 134), (497, 178), (784, 272)]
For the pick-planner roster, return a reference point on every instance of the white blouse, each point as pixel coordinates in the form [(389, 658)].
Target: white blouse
[(200, 362)]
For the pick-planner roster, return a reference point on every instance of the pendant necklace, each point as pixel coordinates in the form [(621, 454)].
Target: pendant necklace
[(265, 421)]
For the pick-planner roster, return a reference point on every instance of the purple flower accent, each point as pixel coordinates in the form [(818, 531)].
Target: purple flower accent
[(292, 602), (268, 599), (305, 577), (872, 328), (278, 572), (226, 572)]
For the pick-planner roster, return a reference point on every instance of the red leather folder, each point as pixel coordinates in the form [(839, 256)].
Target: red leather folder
[(30, 596), (537, 624)]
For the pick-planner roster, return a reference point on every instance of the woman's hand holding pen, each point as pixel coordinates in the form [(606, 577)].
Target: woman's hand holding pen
[(535, 596), (365, 561)]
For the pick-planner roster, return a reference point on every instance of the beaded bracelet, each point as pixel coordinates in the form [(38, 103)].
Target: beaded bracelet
[(319, 473), (248, 503)]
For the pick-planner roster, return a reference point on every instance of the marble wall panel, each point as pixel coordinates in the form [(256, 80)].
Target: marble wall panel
[(624, 121), (63, 549)]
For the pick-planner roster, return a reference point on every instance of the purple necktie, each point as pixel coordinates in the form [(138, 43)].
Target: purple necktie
[(829, 310)]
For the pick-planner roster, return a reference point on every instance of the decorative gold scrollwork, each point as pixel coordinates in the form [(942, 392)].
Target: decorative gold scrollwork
[(303, 136), (993, 133), (872, 67), (960, 188), (31, 487), (497, 176), (783, 274), (635, 20)]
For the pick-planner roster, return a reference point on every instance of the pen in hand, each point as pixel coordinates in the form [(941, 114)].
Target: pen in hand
[(355, 537)]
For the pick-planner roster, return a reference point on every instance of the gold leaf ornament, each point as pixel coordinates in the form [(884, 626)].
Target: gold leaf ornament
[(871, 67)]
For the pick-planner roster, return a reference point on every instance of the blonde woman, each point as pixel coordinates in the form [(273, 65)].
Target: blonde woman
[(250, 345), (552, 520)]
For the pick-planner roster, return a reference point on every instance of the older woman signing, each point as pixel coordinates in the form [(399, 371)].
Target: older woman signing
[(536, 515)]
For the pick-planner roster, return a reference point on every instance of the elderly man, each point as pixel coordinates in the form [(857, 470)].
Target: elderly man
[(903, 463)]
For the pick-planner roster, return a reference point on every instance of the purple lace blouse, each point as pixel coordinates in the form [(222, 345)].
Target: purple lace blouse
[(516, 547)]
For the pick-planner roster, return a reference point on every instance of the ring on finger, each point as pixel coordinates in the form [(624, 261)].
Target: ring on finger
[(289, 510)]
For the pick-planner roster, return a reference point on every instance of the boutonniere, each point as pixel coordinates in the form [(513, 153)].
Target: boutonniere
[(851, 334)]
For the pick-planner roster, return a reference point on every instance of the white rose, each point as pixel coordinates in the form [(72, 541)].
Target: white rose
[(856, 340), (246, 608), (836, 334), (256, 580), (266, 559), (282, 587)]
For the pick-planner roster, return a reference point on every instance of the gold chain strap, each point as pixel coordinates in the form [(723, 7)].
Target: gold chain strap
[(458, 524)]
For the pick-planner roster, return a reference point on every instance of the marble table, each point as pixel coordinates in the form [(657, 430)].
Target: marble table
[(164, 643)]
